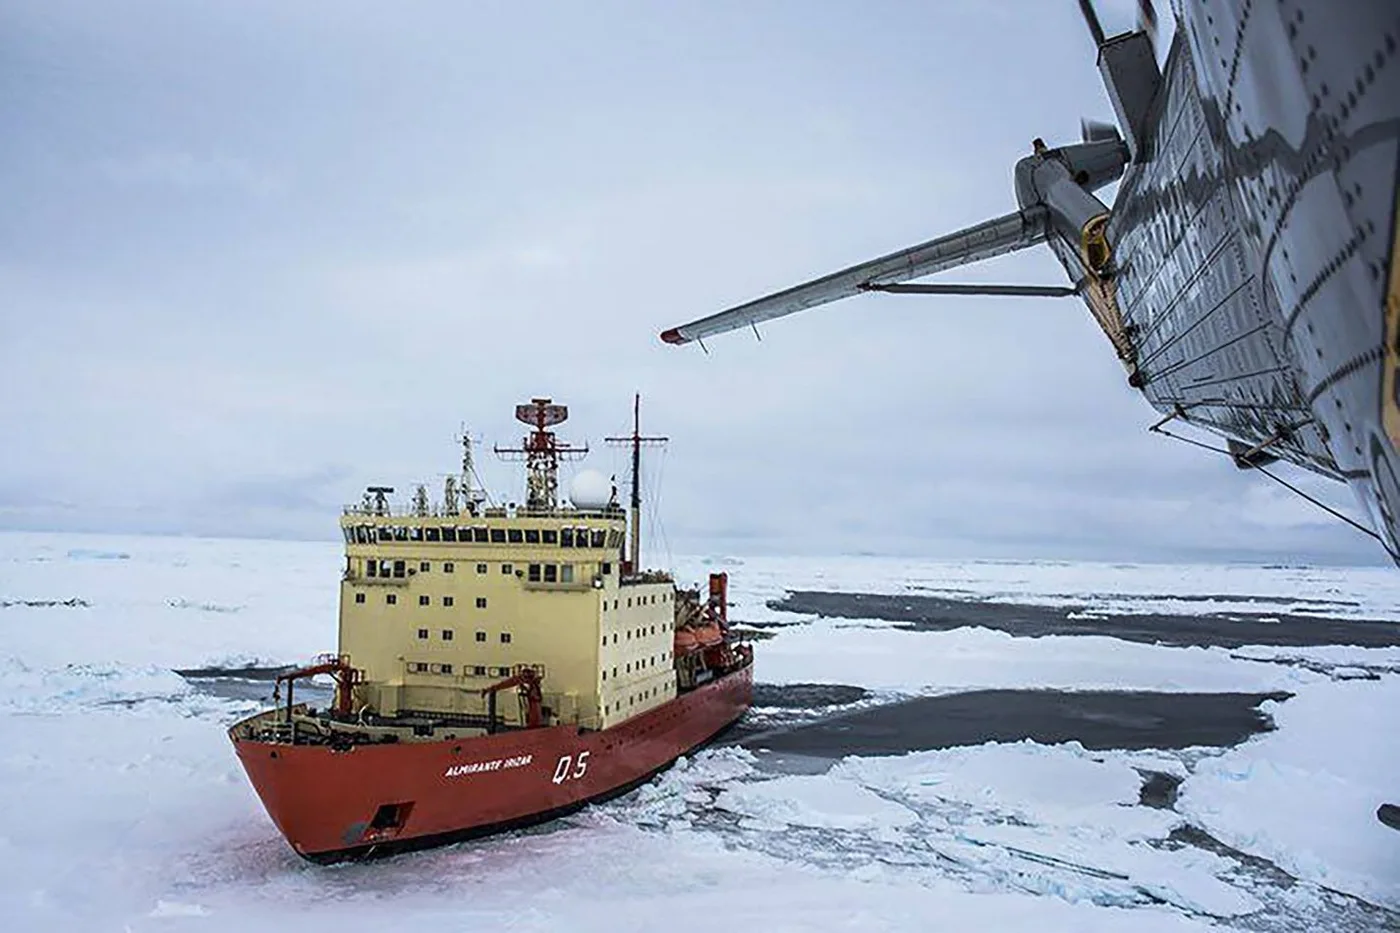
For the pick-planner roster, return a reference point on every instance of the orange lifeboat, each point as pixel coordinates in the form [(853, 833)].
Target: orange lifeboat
[(685, 641), (709, 634)]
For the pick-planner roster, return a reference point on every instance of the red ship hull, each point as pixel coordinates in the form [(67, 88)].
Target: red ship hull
[(335, 804)]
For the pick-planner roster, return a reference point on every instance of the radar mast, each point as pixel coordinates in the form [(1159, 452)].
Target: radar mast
[(541, 452)]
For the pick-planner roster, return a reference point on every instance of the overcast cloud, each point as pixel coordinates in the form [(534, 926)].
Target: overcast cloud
[(256, 255)]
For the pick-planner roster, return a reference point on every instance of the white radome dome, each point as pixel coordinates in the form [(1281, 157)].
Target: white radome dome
[(590, 490)]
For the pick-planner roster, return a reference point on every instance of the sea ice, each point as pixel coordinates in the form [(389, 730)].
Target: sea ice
[(131, 811)]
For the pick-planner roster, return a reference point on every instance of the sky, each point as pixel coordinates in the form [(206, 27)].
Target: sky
[(257, 255)]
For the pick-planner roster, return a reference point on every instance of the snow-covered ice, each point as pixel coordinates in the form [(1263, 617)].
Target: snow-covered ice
[(129, 810)]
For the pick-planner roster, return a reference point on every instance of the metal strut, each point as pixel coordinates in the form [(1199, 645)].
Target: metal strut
[(1181, 412), (1013, 291)]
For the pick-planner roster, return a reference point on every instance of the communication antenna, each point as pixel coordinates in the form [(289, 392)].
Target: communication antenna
[(375, 499), (636, 441), (449, 495), (421, 508), (472, 496), (541, 452)]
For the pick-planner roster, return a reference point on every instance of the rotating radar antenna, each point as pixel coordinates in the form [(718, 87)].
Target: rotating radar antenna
[(541, 452)]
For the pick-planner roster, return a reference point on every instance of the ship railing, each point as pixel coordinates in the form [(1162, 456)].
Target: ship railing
[(646, 576), (361, 510)]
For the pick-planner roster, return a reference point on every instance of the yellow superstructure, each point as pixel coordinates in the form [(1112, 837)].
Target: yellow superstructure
[(437, 605)]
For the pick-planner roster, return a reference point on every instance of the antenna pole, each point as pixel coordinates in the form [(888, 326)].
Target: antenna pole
[(635, 518), (467, 469)]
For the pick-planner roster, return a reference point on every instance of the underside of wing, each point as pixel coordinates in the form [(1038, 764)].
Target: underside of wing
[(992, 238)]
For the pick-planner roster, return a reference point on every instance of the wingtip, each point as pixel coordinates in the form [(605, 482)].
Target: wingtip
[(672, 336)]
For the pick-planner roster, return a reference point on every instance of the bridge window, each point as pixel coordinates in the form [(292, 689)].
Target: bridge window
[(391, 598), (432, 534), (359, 597), (448, 566), (532, 573), (514, 535), (549, 536), (400, 568), (415, 533), (400, 533), (598, 538), (566, 537), (479, 535), (551, 573), (448, 601), (448, 532), (498, 536), (386, 534), (532, 536), (371, 568)]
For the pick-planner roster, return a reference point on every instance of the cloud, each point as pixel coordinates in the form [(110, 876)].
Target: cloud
[(262, 255), (189, 173)]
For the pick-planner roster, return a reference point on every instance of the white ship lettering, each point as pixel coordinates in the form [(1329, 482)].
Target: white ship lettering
[(498, 764), (563, 772)]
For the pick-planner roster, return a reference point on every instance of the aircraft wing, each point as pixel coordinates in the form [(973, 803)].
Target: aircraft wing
[(992, 238)]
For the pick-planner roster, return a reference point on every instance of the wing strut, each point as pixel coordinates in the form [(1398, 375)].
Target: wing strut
[(995, 237), (1005, 291)]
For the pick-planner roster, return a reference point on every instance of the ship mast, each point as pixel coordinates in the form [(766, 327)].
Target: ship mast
[(635, 519), (541, 452), (471, 496)]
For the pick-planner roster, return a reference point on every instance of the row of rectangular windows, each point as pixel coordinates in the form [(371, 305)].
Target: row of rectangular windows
[(563, 537), (634, 698), (650, 662), (375, 567), (536, 573), (641, 633), (392, 599), (447, 635), (423, 667), (563, 575), (555, 573), (641, 600)]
